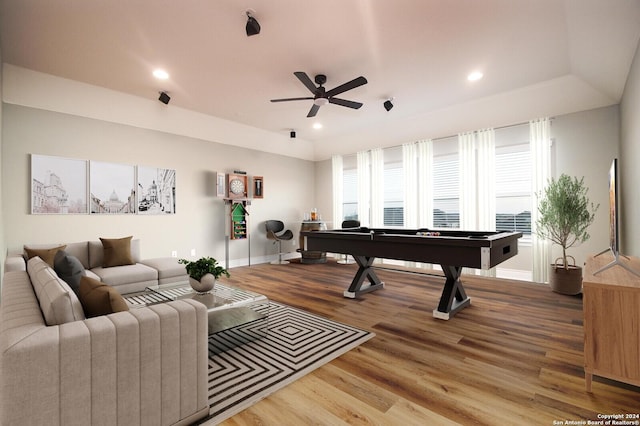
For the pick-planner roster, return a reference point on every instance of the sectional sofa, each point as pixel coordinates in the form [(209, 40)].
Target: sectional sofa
[(138, 366), (126, 278)]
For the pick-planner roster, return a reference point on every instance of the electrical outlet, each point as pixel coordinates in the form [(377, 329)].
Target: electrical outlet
[(174, 253), (193, 252)]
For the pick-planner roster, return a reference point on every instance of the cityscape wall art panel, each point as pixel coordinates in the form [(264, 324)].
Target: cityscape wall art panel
[(58, 185), (156, 190), (112, 188)]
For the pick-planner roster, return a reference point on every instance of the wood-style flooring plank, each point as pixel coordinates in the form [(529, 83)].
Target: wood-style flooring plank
[(515, 356)]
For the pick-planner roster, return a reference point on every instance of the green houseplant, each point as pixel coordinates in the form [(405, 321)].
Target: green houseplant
[(203, 273), (565, 213)]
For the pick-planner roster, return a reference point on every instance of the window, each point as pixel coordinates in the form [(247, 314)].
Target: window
[(393, 202), (513, 188), (350, 194), (446, 206)]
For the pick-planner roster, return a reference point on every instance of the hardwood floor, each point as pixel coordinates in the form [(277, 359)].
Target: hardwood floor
[(514, 357)]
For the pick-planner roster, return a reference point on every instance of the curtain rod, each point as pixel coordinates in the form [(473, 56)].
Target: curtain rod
[(494, 128), (453, 136)]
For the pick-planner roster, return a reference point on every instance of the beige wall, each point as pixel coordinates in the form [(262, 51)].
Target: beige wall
[(199, 221), (585, 143), (630, 160)]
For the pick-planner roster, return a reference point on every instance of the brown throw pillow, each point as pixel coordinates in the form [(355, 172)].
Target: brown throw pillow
[(117, 252), (99, 298), (45, 254)]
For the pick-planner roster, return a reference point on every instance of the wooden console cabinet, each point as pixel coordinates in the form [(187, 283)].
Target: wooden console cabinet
[(611, 304)]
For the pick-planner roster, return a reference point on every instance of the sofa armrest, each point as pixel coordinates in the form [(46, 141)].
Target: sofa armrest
[(14, 262), (147, 363)]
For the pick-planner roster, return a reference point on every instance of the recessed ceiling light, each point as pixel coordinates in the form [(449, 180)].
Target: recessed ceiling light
[(161, 74), (317, 126), (475, 76)]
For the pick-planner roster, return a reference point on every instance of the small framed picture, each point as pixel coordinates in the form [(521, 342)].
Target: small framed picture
[(258, 187), (220, 185)]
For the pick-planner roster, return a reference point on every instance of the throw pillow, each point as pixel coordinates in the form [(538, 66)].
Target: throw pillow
[(117, 252), (98, 298), (45, 254), (68, 268), (58, 303)]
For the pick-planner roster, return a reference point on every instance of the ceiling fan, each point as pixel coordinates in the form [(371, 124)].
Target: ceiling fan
[(321, 96)]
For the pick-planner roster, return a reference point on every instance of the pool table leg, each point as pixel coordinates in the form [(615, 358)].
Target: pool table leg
[(365, 270), (453, 296)]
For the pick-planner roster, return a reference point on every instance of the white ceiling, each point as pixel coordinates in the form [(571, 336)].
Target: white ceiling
[(542, 57)]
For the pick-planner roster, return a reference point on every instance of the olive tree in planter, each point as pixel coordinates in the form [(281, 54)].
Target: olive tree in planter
[(203, 273), (564, 214)]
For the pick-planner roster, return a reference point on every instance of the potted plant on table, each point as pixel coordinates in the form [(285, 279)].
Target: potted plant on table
[(565, 213), (203, 273)]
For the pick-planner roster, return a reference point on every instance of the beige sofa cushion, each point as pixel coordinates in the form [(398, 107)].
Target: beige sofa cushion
[(59, 304)]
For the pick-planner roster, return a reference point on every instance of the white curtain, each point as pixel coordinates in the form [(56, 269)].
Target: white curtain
[(540, 142), (486, 152), (467, 173), (377, 187), (337, 168), (425, 183), (364, 187), (486, 144), (410, 184)]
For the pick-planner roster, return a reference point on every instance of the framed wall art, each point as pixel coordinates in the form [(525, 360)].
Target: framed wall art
[(112, 188), (58, 185), (258, 187), (220, 185), (156, 192)]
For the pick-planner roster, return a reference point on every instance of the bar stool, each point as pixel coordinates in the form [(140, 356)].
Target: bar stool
[(273, 228)]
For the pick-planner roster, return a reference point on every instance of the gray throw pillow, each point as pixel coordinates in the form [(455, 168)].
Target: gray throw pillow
[(69, 269)]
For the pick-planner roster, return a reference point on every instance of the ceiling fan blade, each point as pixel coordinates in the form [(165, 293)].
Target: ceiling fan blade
[(291, 99), (356, 82), (313, 111), (304, 78), (345, 103)]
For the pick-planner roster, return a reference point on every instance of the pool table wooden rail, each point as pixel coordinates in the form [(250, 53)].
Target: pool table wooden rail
[(478, 250)]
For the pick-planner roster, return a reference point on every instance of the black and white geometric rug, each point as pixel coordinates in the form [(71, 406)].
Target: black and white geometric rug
[(250, 363)]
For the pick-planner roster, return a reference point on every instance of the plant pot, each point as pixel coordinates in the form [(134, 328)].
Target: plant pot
[(205, 284), (565, 281)]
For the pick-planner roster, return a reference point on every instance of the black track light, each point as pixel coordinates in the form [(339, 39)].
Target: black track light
[(164, 98), (292, 134), (388, 105), (253, 27)]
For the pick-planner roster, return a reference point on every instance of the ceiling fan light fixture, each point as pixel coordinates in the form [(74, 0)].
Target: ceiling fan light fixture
[(252, 27), (320, 101)]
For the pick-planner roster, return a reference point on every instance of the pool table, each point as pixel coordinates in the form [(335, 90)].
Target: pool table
[(452, 250)]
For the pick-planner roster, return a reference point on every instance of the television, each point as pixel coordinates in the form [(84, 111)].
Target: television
[(614, 222), (614, 225)]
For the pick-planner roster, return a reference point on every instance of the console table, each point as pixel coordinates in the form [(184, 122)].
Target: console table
[(611, 304)]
